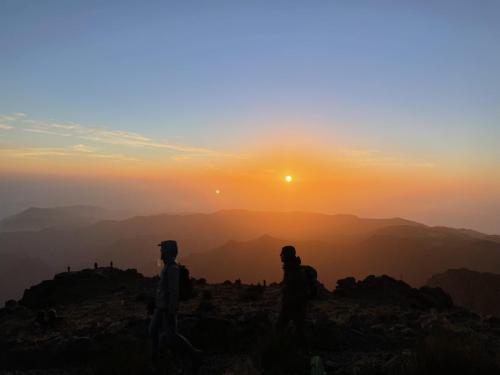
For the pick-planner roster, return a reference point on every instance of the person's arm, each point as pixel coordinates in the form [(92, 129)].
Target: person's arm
[(173, 289)]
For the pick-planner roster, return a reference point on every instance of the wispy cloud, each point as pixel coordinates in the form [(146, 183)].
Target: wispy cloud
[(79, 150), (6, 127), (45, 131), (115, 137), (28, 152), (12, 116), (83, 148)]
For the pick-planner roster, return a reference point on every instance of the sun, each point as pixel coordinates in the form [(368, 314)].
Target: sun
[(288, 178)]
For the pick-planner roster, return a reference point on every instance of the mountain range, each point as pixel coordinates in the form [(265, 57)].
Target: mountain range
[(38, 218), (413, 254), (245, 244)]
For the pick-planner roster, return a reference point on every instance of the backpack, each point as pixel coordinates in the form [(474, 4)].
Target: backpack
[(310, 280), (185, 283)]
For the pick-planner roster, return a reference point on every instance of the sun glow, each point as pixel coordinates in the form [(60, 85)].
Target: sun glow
[(288, 178)]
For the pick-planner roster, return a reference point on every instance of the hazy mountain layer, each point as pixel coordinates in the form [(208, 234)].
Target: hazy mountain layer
[(18, 272), (338, 245), (396, 251), (36, 218), (478, 291)]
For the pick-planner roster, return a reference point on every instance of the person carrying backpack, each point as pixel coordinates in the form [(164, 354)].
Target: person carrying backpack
[(299, 284), (163, 325)]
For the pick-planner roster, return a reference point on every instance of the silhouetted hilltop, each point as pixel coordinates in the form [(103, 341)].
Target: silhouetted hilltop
[(97, 324), (74, 287), (37, 218), (478, 291)]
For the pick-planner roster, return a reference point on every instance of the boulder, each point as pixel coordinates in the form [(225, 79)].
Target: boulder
[(346, 283)]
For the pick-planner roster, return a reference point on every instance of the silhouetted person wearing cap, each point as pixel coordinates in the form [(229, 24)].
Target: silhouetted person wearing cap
[(163, 326), (293, 295)]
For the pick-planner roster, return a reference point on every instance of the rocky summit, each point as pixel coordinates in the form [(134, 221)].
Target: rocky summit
[(95, 322)]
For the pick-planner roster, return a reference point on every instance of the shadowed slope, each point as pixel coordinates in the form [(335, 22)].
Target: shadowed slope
[(478, 291), (393, 250)]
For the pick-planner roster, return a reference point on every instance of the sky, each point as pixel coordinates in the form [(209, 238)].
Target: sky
[(376, 108)]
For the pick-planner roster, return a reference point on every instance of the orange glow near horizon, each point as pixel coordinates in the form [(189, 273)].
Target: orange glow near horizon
[(337, 180)]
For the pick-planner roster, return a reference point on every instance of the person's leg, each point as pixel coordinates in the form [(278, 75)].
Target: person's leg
[(155, 330), (283, 320), (299, 321), (176, 340), (181, 346)]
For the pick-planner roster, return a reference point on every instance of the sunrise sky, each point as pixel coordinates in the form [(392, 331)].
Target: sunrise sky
[(376, 108)]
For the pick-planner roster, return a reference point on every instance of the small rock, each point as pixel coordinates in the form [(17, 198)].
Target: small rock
[(10, 304), (347, 283)]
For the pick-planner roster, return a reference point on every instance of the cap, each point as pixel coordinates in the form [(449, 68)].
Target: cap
[(168, 246)]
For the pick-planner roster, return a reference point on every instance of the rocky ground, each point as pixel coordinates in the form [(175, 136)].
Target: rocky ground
[(95, 322)]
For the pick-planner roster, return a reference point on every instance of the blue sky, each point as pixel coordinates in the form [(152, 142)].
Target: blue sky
[(197, 70)]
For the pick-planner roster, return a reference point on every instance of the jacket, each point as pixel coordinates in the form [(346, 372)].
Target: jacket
[(167, 292)]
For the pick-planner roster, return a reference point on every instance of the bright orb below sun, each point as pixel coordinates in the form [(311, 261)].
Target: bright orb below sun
[(288, 178), (217, 191)]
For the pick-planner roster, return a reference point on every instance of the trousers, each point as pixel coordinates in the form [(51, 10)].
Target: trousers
[(163, 331)]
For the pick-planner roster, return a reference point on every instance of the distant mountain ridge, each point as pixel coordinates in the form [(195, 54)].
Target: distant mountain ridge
[(38, 218), (194, 232), (339, 245), (389, 250)]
